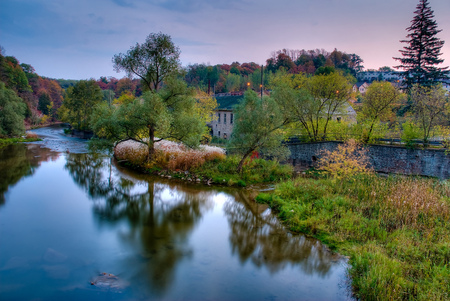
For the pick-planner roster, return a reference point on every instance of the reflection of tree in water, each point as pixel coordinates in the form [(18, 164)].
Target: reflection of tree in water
[(160, 215), (266, 243), (18, 161)]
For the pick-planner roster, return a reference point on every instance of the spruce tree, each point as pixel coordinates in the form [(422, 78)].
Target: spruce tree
[(421, 56)]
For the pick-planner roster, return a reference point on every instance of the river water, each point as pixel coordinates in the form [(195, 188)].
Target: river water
[(67, 217)]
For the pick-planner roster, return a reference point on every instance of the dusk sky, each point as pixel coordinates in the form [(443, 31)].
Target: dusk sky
[(77, 39)]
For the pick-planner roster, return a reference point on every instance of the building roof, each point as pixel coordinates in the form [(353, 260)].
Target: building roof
[(228, 102), (359, 84)]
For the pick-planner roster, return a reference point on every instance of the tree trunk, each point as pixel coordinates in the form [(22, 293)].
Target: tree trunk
[(241, 163), (151, 143), (367, 139)]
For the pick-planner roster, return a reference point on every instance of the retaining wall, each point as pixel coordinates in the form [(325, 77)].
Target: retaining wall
[(383, 158)]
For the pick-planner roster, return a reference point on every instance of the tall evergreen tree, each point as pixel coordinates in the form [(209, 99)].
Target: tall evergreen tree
[(421, 56)]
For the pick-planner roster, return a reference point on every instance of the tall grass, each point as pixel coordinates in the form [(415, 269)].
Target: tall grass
[(396, 230), (168, 154)]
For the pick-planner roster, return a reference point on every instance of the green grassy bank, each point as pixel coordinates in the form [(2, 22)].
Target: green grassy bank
[(396, 231), (7, 141), (222, 171)]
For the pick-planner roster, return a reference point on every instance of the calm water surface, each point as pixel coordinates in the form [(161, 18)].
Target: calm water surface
[(66, 218)]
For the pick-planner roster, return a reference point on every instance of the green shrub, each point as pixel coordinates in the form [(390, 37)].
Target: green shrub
[(410, 133)]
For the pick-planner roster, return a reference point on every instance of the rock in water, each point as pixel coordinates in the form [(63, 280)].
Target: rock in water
[(111, 282)]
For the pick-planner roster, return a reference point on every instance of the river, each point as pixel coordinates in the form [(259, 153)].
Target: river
[(76, 226)]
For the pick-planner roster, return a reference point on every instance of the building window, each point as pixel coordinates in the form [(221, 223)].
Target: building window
[(225, 136), (231, 118), (224, 118), (218, 134), (218, 118)]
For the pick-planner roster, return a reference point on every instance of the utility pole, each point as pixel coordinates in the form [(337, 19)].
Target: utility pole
[(262, 70)]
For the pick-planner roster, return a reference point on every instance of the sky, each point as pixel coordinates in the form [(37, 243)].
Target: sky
[(76, 39)]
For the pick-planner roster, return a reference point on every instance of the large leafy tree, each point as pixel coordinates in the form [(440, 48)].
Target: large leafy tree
[(152, 61), (80, 102), (12, 112), (257, 126), (420, 58), (377, 105), (311, 102), (430, 106), (171, 113)]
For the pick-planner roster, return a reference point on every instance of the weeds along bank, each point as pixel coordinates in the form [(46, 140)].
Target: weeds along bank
[(395, 230), (207, 164), (29, 137)]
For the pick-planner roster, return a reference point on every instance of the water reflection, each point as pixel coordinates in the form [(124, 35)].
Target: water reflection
[(83, 214), (260, 238), (160, 215), (18, 161)]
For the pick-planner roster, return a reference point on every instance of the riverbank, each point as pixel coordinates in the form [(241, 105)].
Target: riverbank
[(395, 230), (30, 137), (208, 164), (33, 127)]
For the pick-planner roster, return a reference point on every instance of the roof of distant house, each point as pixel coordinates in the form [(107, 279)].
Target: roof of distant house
[(228, 102), (359, 84)]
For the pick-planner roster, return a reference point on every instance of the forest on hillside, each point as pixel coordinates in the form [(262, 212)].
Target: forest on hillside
[(39, 97)]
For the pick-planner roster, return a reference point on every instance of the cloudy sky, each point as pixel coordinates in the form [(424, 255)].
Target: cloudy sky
[(76, 39)]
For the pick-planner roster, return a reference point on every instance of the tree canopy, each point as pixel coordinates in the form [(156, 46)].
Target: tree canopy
[(377, 105), (12, 112), (431, 108), (312, 101), (257, 126), (152, 61), (79, 103), (171, 113)]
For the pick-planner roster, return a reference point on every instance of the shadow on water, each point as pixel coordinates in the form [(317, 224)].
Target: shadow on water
[(162, 214), (256, 235), (158, 225), (18, 161)]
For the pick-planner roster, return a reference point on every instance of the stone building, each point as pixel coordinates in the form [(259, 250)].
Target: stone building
[(222, 126)]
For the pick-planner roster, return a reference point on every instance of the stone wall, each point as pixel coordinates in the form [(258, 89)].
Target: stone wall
[(383, 158)]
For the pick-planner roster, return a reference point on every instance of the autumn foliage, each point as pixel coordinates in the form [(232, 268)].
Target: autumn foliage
[(348, 160)]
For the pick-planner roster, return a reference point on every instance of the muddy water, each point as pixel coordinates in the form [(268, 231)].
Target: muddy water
[(77, 226)]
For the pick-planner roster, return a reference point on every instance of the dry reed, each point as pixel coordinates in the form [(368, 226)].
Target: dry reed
[(169, 154), (414, 202), (31, 135)]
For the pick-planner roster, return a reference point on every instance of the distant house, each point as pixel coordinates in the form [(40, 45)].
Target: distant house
[(346, 113), (222, 126), (360, 87), (370, 76), (446, 86)]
